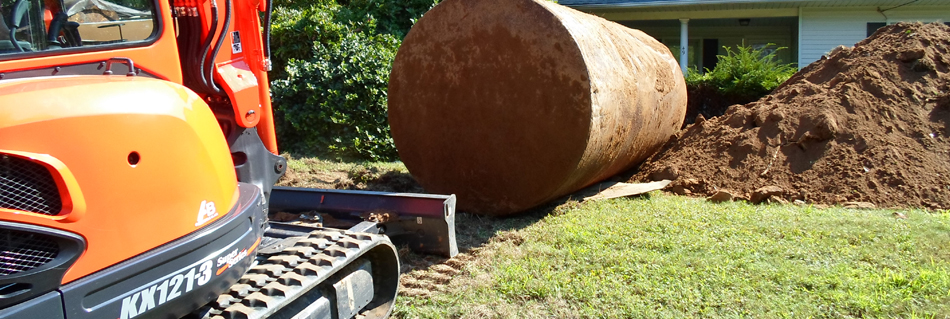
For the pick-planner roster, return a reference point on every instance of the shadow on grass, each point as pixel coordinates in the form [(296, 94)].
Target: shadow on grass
[(475, 231), (471, 231)]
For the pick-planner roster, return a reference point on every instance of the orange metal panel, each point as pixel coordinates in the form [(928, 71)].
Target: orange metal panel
[(183, 179), (241, 86)]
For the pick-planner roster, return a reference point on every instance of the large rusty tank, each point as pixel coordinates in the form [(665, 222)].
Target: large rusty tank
[(512, 103)]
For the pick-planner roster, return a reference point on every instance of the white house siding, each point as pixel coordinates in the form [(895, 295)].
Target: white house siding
[(823, 29)]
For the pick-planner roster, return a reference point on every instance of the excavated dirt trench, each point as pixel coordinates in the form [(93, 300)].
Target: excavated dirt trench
[(864, 124)]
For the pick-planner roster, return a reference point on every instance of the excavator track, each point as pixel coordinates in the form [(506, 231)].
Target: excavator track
[(327, 274)]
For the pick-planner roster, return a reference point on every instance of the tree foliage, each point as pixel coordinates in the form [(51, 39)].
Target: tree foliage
[(332, 61)]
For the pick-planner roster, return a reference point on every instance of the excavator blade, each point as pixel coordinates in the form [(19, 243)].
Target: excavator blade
[(424, 222)]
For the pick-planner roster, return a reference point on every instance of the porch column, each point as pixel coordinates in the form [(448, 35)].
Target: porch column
[(684, 44)]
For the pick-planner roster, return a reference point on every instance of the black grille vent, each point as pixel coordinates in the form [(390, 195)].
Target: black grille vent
[(21, 251), (27, 186)]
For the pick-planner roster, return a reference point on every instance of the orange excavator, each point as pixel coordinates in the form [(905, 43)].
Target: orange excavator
[(137, 166)]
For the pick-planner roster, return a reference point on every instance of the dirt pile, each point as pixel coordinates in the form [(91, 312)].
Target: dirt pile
[(863, 124)]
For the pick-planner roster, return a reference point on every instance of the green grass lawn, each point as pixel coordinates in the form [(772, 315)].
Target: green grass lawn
[(669, 256)]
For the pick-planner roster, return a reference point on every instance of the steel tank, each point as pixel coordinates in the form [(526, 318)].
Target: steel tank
[(512, 103)]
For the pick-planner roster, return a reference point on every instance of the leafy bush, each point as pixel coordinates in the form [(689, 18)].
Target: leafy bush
[(745, 72), (393, 17), (336, 101), (332, 61), (294, 31)]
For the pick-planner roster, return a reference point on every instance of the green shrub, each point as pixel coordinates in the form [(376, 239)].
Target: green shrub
[(334, 104), (295, 30), (298, 25), (745, 72), (331, 72), (393, 17)]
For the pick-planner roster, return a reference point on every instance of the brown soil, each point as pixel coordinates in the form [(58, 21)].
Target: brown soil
[(314, 179), (370, 179), (864, 124), (709, 102)]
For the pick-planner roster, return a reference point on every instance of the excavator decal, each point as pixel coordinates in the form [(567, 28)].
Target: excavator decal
[(225, 262), (170, 288), (182, 281), (206, 213)]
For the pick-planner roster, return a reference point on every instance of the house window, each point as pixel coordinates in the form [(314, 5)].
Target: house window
[(873, 26)]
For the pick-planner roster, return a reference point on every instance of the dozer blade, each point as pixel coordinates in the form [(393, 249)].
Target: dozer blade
[(426, 223)]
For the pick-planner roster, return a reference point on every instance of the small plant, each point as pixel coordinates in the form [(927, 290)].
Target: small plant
[(744, 72)]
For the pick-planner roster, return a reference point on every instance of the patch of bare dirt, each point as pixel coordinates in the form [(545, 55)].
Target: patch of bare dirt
[(389, 181), (478, 237), (370, 179), (422, 276), (868, 124), (314, 179)]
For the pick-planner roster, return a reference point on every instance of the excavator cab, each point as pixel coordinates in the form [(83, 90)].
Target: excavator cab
[(36, 26)]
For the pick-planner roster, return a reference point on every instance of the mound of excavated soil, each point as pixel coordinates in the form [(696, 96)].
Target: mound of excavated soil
[(864, 124)]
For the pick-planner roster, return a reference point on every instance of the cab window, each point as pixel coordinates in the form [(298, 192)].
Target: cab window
[(41, 25)]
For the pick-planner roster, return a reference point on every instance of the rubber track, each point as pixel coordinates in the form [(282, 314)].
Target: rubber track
[(279, 280)]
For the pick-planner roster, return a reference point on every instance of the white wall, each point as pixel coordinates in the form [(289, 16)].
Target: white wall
[(823, 29)]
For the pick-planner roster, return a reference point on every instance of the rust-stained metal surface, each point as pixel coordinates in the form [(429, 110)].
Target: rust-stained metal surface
[(512, 103)]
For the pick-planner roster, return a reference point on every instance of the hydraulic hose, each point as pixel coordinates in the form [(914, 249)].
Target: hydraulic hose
[(267, 17), (206, 81), (194, 36), (217, 46)]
